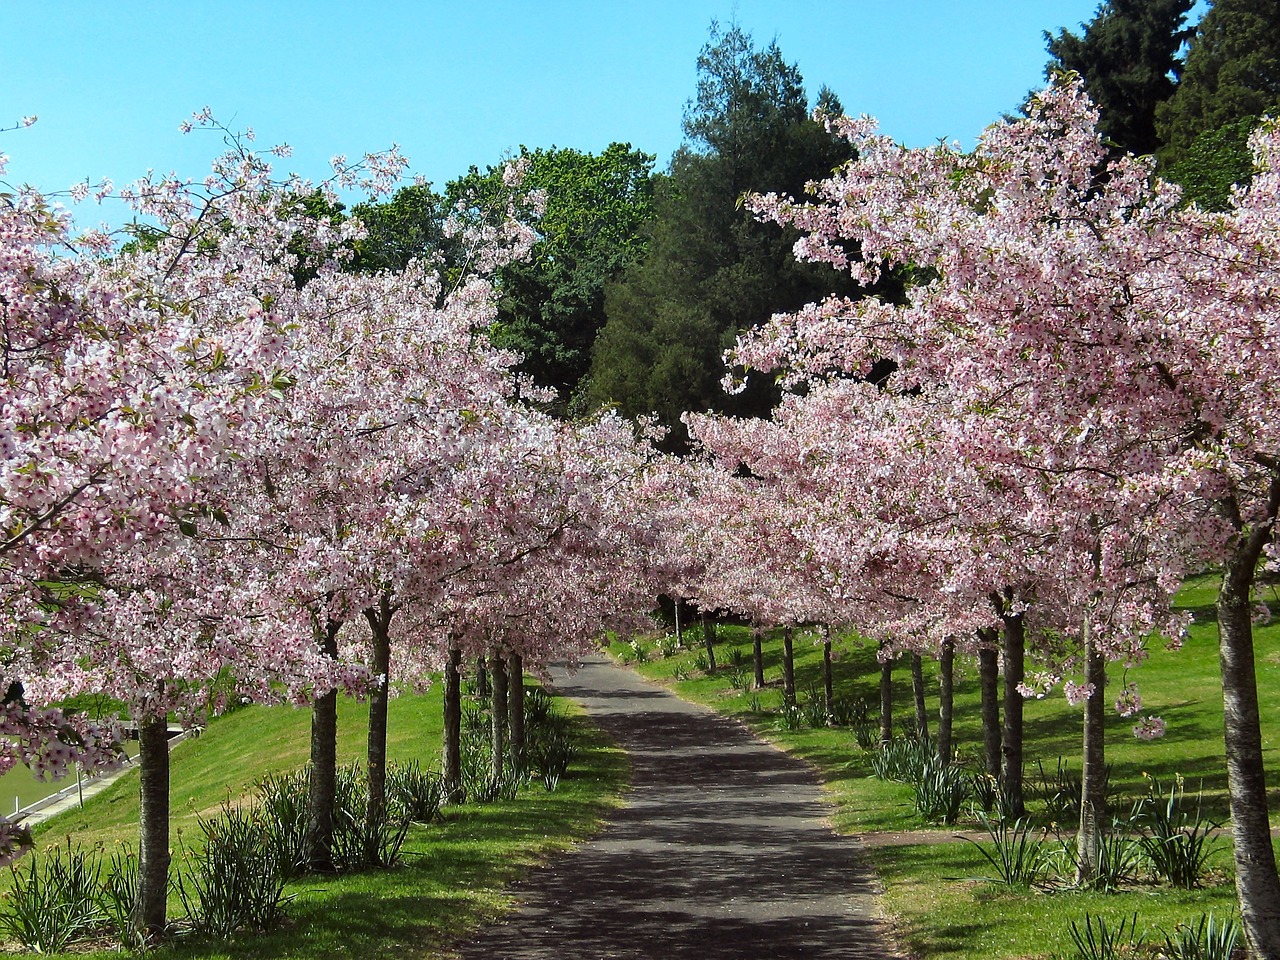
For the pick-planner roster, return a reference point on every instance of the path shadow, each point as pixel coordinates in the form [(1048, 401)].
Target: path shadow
[(721, 852)]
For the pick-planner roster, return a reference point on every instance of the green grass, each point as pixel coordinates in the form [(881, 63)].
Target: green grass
[(454, 872), (940, 910)]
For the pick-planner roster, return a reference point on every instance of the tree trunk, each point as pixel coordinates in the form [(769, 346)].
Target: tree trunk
[(483, 688), (828, 684), (886, 699), (451, 752), (1257, 886), (153, 827), (1014, 650), (989, 681), (946, 699), (757, 655), (709, 640), (515, 706), (917, 693), (788, 666), (375, 811), (1093, 783), (498, 675), (322, 783)]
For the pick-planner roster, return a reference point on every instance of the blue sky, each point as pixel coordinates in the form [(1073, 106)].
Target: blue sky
[(459, 83)]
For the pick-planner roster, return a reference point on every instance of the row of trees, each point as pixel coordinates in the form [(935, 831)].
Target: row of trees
[(1080, 412), (233, 466)]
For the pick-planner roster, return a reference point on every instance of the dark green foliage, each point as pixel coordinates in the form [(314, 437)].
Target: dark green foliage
[(409, 225), (711, 268), (1216, 161), (551, 305), (1232, 71), (1128, 58)]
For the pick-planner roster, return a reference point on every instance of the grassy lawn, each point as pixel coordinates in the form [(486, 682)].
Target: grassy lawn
[(934, 892), (453, 873)]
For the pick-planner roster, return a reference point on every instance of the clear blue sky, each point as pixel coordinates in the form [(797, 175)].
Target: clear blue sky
[(461, 82)]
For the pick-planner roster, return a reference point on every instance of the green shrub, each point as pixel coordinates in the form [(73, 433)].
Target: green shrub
[(1208, 938), (1020, 857), (1177, 840), (1097, 941), (55, 899), (940, 791), (415, 793), (234, 881)]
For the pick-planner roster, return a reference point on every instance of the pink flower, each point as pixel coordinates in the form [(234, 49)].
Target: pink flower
[(1149, 728), (1077, 693)]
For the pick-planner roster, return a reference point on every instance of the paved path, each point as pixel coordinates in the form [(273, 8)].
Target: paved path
[(720, 853)]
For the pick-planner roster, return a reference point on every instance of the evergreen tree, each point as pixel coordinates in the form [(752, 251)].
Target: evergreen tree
[(711, 268), (1232, 72), (1128, 59)]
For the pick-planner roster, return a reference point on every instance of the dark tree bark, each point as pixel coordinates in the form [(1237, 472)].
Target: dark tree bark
[(886, 699), (375, 811), (946, 699), (515, 706), (322, 783), (498, 676), (828, 683), (153, 828), (709, 640), (757, 655), (989, 682), (451, 753), (483, 687), (1093, 784), (788, 666), (917, 694), (1257, 886), (1014, 650)]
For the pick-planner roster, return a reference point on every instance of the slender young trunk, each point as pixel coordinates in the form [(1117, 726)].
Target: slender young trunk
[(946, 699), (917, 693), (323, 780), (451, 753), (1014, 650), (788, 666), (483, 687), (886, 699), (1257, 886), (828, 685), (989, 682), (515, 706), (1093, 784), (375, 811), (757, 655), (709, 640), (679, 628), (498, 675), (153, 827)]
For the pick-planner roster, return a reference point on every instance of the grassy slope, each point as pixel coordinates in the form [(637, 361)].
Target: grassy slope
[(454, 871), (941, 910)]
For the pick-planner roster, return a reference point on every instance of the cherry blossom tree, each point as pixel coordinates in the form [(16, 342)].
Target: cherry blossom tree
[(1094, 354)]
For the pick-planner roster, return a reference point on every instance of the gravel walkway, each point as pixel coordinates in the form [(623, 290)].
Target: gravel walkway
[(720, 853)]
